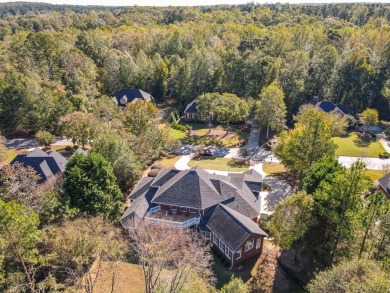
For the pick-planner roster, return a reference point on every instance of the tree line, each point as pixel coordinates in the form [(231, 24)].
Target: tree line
[(55, 63)]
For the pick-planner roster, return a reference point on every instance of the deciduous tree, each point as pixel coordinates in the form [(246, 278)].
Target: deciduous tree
[(270, 110)]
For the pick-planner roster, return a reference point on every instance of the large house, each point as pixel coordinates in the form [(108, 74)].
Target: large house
[(47, 165), (330, 107), (224, 209), (384, 185), (191, 113), (126, 96)]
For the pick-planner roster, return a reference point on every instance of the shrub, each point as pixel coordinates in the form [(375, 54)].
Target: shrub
[(153, 172), (68, 148), (44, 138), (157, 166), (384, 155)]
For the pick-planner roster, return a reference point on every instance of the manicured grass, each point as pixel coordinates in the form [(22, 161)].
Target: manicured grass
[(168, 162), (177, 133), (11, 154), (128, 278), (273, 168), (222, 164), (375, 174), (353, 146), (58, 147)]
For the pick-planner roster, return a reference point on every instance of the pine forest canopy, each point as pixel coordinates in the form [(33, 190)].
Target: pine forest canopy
[(57, 59)]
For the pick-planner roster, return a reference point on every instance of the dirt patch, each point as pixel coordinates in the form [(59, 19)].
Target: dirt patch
[(219, 133)]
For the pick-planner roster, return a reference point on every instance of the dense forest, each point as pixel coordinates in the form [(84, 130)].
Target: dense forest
[(57, 59), (60, 67)]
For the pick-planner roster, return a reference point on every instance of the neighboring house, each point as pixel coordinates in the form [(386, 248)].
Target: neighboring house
[(224, 209), (384, 185), (47, 165), (125, 96), (191, 113), (330, 107)]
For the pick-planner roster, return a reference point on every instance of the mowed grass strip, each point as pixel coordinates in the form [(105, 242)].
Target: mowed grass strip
[(353, 146), (221, 164), (273, 168)]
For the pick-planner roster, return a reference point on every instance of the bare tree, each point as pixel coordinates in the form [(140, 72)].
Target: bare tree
[(169, 255), (20, 183)]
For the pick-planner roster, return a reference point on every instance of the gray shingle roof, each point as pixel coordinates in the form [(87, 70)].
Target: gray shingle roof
[(141, 188), (164, 176), (138, 207), (385, 183), (124, 96), (232, 227), (190, 188), (46, 165)]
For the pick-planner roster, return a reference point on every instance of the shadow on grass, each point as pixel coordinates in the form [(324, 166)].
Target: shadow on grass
[(364, 140)]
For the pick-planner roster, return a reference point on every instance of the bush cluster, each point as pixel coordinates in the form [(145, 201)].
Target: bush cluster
[(384, 155)]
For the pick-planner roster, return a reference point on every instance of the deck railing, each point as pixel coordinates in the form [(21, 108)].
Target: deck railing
[(185, 224), (153, 210)]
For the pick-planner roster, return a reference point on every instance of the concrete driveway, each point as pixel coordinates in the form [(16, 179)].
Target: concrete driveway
[(279, 191)]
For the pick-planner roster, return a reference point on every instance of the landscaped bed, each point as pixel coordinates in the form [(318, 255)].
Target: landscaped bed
[(355, 146), (221, 164)]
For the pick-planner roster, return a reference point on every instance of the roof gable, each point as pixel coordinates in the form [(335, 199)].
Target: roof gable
[(191, 108), (239, 226)]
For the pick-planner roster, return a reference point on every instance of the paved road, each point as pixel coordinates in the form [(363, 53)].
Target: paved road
[(28, 143)]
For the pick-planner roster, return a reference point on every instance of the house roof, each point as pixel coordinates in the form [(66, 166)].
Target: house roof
[(164, 176), (232, 227), (384, 182), (125, 96), (138, 207), (191, 188), (141, 188), (326, 106), (343, 109), (45, 164), (191, 107)]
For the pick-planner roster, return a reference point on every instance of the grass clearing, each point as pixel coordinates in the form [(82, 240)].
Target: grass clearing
[(354, 146), (273, 168), (177, 133), (128, 278), (375, 174), (11, 154), (168, 162), (221, 164)]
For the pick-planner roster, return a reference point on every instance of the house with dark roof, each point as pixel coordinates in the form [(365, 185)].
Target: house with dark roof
[(191, 113), (47, 165), (384, 185), (330, 107), (126, 96), (223, 209)]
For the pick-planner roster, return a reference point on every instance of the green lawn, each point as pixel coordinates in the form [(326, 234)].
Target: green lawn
[(168, 162), (177, 133), (375, 174), (273, 168), (353, 146), (11, 154), (221, 164)]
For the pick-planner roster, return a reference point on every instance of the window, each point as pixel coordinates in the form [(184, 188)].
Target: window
[(249, 245), (207, 235), (258, 243), (193, 116), (239, 253), (173, 208), (228, 252), (193, 211), (183, 209), (215, 239)]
